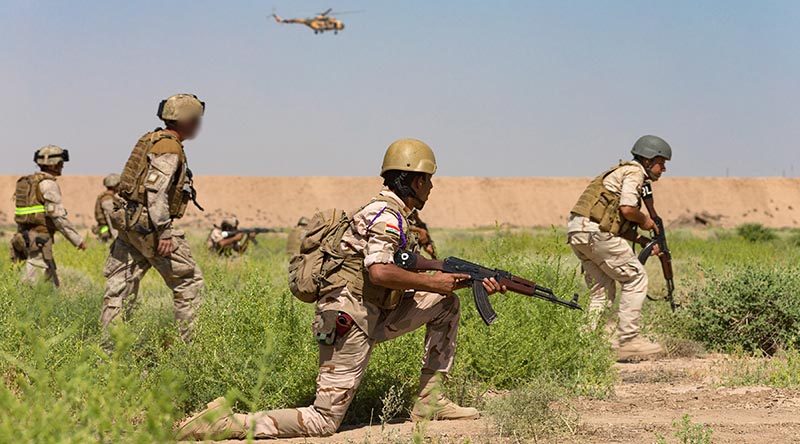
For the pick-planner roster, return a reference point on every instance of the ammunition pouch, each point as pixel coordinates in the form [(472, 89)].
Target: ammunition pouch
[(19, 247)]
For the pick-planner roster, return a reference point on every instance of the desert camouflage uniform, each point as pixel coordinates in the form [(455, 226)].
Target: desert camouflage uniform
[(217, 235), (106, 231), (38, 258), (607, 259), (375, 235), (133, 254)]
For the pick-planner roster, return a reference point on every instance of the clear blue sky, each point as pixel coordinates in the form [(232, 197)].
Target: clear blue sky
[(501, 88)]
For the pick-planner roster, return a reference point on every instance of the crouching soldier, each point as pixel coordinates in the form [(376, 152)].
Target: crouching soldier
[(374, 303), (225, 240), (103, 207), (155, 188), (606, 215), (39, 213)]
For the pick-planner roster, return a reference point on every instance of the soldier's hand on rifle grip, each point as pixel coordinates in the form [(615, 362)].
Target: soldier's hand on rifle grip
[(656, 250), (492, 286), (446, 283)]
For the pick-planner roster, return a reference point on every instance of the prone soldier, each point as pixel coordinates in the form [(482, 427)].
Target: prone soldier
[(372, 302), (103, 207), (39, 213), (155, 188), (605, 216)]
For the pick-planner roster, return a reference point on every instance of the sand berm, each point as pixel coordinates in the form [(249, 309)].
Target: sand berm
[(456, 202)]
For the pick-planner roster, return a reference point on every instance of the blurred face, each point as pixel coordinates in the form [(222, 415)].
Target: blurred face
[(55, 170), (658, 166), (422, 186), (189, 128)]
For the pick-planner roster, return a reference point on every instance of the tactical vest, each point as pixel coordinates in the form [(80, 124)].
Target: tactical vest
[(355, 275), (602, 206), (131, 186), (99, 215), (30, 212)]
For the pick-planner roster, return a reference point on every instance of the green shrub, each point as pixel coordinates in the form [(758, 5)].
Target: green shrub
[(689, 432), (756, 232), (750, 307), (534, 411)]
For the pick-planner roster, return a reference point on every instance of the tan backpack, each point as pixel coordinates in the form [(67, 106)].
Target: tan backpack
[(319, 257)]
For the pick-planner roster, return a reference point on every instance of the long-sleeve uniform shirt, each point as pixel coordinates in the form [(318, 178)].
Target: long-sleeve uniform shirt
[(160, 176), (56, 212)]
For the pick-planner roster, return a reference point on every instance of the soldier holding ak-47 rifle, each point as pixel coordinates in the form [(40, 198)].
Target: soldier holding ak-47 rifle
[(605, 216), (228, 238)]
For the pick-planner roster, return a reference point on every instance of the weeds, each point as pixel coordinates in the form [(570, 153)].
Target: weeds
[(756, 233), (688, 432)]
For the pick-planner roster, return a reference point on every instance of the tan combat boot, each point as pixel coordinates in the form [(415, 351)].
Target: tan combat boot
[(637, 349), (215, 422), (432, 405)]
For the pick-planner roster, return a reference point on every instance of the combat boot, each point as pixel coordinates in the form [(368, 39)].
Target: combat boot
[(636, 349), (432, 405), (216, 422)]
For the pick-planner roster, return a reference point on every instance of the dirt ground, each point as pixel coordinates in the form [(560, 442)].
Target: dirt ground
[(648, 398), (456, 202)]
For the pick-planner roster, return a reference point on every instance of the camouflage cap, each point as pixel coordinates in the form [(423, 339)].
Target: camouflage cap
[(181, 107), (111, 181), (50, 155)]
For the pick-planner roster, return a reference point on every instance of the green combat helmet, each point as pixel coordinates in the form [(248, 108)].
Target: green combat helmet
[(50, 155), (181, 108), (650, 147)]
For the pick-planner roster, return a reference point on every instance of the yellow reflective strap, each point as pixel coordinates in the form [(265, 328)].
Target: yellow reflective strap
[(24, 211), (104, 229)]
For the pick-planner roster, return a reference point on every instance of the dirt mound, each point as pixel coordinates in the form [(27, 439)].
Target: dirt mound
[(456, 202)]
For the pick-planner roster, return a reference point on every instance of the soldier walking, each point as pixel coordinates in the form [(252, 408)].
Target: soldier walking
[(103, 207), (606, 215), (373, 304), (155, 188), (39, 213)]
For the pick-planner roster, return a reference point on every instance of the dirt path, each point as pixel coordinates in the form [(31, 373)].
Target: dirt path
[(648, 397), (651, 395)]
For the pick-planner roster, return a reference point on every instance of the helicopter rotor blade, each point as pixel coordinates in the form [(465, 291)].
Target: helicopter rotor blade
[(328, 11)]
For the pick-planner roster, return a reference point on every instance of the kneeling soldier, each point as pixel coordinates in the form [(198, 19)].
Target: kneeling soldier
[(375, 303), (39, 214), (606, 215), (155, 188), (103, 207)]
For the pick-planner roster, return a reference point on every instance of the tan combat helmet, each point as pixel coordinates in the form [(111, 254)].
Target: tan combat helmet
[(409, 155), (181, 108), (111, 181), (50, 155)]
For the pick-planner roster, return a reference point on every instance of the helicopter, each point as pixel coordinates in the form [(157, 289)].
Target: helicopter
[(322, 22)]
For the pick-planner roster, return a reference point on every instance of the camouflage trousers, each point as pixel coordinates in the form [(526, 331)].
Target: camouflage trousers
[(132, 255), (40, 262), (342, 366), (607, 259)]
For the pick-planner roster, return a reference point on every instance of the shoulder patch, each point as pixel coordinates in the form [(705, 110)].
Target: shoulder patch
[(166, 146)]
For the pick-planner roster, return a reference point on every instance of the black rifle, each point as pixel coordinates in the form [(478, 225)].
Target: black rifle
[(477, 273), (660, 239)]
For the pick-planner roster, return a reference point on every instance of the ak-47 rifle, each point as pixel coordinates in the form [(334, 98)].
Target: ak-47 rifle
[(231, 233), (477, 273), (660, 239)]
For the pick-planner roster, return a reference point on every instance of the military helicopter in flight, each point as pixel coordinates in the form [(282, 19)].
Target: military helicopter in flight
[(322, 22)]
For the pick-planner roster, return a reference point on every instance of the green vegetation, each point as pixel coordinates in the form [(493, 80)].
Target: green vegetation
[(253, 341), (253, 344), (688, 432), (756, 233)]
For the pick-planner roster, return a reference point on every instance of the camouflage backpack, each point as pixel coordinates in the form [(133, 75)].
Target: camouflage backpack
[(319, 256)]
